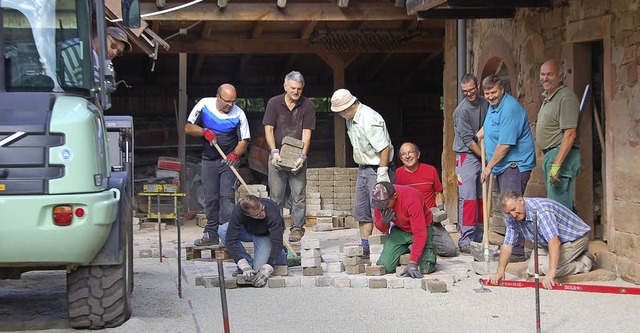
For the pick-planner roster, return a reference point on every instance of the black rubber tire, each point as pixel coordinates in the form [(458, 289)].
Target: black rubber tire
[(99, 296)]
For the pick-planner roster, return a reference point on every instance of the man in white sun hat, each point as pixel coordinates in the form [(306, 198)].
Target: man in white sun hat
[(372, 151)]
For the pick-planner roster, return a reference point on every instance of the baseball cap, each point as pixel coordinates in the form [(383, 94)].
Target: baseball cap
[(341, 100), (120, 35), (382, 191)]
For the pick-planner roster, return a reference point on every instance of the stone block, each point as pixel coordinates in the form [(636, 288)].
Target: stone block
[(404, 259), (335, 267), (341, 282), (310, 243), (451, 227), (312, 271), (359, 282), (325, 219), (311, 262), (373, 257), (241, 282), (308, 281), (312, 171), (376, 248), (323, 281), (377, 239), (343, 245), (338, 221), (323, 227), (434, 286), (311, 195), (353, 251), (276, 282), (341, 188), (162, 225), (292, 281), (375, 270), (410, 283), (280, 270), (342, 177), (438, 215), (214, 282), (314, 201), (395, 282), (291, 141), (400, 269), (145, 253), (310, 253), (325, 172), (324, 212), (377, 283), (352, 260), (351, 223), (477, 251), (354, 269)]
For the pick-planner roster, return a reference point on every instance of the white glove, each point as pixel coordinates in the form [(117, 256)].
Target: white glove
[(263, 275), (383, 175), (299, 164), (247, 270), (275, 158)]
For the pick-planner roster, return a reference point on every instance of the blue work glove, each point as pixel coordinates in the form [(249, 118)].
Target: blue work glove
[(387, 215), (247, 270), (262, 276), (412, 270)]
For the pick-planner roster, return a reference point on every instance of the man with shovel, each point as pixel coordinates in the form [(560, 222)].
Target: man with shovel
[(219, 122), (562, 237)]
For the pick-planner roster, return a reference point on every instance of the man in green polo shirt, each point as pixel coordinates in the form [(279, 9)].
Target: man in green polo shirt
[(557, 136)]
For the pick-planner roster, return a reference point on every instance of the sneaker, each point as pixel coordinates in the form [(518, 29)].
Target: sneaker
[(466, 249), (206, 240), (296, 234)]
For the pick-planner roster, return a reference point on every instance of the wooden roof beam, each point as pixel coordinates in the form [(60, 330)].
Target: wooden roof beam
[(285, 46), (307, 29), (384, 11)]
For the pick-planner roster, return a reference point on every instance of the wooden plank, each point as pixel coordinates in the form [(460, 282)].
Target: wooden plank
[(465, 13), (384, 11), (285, 46), (450, 79), (500, 3), (414, 6)]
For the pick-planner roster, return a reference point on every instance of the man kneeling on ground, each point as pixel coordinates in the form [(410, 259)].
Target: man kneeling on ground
[(411, 231), (256, 220), (562, 237)]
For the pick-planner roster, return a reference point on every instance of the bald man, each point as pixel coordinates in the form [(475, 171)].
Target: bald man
[(218, 120), (557, 135)]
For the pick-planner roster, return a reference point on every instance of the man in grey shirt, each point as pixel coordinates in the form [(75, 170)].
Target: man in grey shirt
[(468, 118)]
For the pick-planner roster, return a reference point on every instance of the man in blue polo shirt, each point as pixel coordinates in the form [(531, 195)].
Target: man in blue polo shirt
[(509, 143), (562, 237)]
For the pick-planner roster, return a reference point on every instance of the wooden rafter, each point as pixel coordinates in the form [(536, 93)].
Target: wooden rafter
[(307, 29), (294, 12), (283, 46)]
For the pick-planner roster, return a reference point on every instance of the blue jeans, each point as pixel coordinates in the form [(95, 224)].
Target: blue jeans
[(217, 186), (261, 247), (278, 181)]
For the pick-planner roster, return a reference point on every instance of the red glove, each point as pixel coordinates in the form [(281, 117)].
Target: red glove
[(232, 159), (209, 135)]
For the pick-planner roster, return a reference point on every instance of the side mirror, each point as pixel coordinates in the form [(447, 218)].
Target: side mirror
[(131, 13)]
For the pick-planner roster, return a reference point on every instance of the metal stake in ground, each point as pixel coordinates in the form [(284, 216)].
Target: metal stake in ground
[(223, 294), (534, 217)]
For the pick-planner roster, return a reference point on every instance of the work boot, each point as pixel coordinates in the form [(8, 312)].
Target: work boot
[(296, 234), (588, 260), (465, 249), (206, 240), (366, 256)]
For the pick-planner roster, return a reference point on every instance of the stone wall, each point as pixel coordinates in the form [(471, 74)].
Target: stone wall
[(536, 35)]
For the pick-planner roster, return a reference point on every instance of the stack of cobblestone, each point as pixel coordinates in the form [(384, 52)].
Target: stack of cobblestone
[(311, 257), (258, 190), (331, 191)]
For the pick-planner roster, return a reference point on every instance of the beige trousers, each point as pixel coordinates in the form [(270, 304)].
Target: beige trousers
[(571, 261)]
